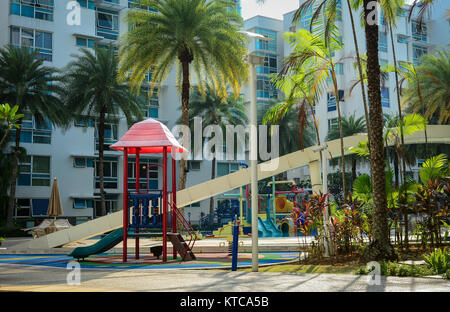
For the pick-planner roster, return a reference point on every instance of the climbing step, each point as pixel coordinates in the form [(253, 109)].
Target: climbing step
[(181, 246)]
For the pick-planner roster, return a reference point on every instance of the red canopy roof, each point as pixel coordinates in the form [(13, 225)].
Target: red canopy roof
[(150, 136)]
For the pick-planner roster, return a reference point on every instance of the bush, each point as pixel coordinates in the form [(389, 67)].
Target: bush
[(395, 269), (438, 261), (447, 274)]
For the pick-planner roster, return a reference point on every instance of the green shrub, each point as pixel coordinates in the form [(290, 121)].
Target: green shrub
[(438, 261), (447, 274)]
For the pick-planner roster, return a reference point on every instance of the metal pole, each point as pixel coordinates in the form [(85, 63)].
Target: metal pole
[(165, 204), (125, 204), (174, 200), (254, 167), (323, 154), (136, 240)]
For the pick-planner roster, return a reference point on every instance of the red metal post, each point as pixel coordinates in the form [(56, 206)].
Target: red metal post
[(165, 204), (125, 204), (136, 240), (174, 200)]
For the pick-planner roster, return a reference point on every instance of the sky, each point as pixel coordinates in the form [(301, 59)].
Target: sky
[(271, 8)]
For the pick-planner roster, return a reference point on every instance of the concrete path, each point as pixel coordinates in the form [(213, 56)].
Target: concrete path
[(28, 278)]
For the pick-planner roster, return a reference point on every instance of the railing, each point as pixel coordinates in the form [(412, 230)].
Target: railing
[(187, 226)]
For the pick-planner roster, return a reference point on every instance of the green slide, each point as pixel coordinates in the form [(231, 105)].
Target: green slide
[(106, 243)]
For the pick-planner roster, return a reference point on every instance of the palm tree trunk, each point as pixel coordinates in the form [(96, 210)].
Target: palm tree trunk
[(14, 173), (184, 118), (419, 92), (213, 176), (401, 127), (101, 141), (358, 59), (380, 247), (341, 134), (4, 136)]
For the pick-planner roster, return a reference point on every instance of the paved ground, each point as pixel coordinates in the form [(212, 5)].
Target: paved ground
[(28, 278)]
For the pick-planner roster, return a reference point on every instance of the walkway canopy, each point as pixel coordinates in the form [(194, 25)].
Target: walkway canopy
[(149, 137)]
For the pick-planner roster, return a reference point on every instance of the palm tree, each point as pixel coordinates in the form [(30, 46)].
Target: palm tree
[(197, 35), (350, 126), (10, 116), (295, 129), (380, 247), (26, 83), (313, 51), (92, 88), (432, 79), (215, 109), (329, 9)]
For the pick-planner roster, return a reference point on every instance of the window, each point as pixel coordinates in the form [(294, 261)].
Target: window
[(331, 102), (83, 162), (107, 24), (418, 51), (267, 45), (110, 204), (193, 165), (110, 133), (339, 69), (333, 122), (133, 5), (87, 4), (109, 173), (150, 106), (293, 29), (42, 41), (147, 169), (226, 168), (385, 97), (23, 207), (265, 88), (85, 121), (419, 33), (85, 42), (81, 203), (382, 42), (33, 131), (34, 171), (39, 9), (402, 39)]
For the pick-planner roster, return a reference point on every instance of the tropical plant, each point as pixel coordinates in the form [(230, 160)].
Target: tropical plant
[(438, 260), (295, 129), (430, 88), (313, 52), (197, 35), (217, 110), (10, 116), (434, 168), (26, 83), (91, 88), (350, 126)]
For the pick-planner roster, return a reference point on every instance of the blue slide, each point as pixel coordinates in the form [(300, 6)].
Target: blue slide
[(266, 228), (105, 244)]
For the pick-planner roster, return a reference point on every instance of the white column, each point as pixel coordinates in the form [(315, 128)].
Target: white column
[(254, 166)]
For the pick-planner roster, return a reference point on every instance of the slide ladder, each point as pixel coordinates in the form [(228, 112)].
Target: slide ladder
[(183, 248)]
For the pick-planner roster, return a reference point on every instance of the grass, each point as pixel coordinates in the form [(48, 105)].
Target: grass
[(307, 268)]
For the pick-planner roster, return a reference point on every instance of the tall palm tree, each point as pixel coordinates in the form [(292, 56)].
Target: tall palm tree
[(27, 83), (433, 80), (92, 88), (314, 52), (350, 126), (330, 9), (215, 109), (197, 35), (380, 247)]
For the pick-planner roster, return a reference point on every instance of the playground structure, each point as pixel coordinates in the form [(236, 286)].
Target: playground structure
[(436, 134), (147, 213)]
